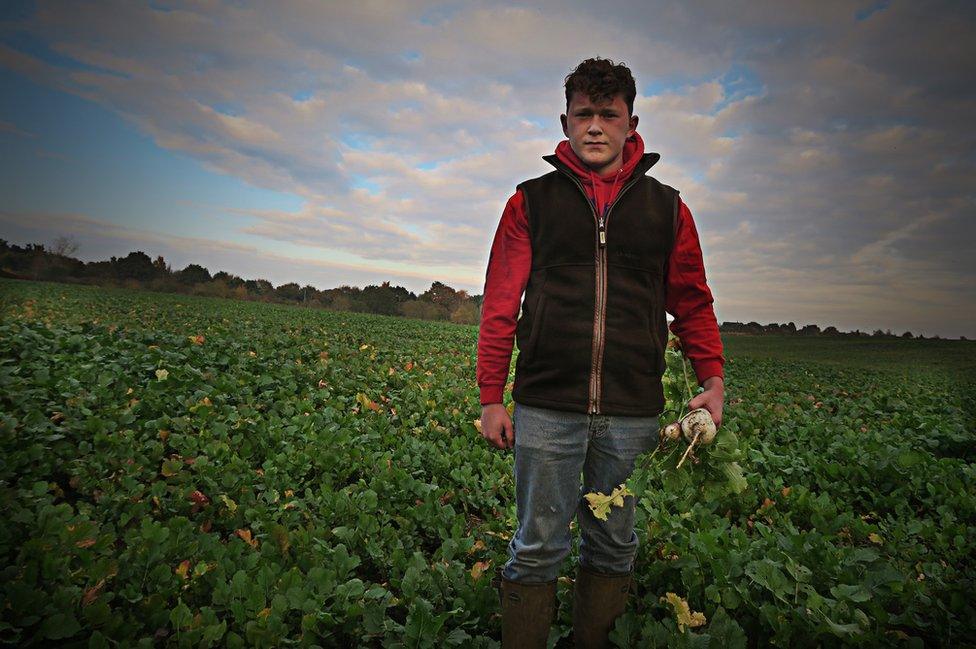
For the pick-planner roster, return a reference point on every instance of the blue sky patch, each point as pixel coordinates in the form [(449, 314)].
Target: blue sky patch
[(738, 82), (663, 85), (363, 182), (108, 170), (358, 141), (866, 13)]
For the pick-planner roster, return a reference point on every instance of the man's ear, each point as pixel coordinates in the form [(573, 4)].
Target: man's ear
[(562, 120), (633, 126)]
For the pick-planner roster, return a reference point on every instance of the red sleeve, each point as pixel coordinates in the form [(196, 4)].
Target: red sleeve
[(508, 272), (689, 300)]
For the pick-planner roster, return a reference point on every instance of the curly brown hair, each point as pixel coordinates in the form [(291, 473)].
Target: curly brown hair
[(601, 79)]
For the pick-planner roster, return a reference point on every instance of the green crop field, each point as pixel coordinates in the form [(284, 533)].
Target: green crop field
[(180, 471)]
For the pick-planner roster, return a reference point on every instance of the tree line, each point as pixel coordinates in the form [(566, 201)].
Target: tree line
[(790, 328), (439, 302), (140, 271)]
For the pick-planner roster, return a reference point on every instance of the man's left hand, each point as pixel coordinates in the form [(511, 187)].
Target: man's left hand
[(711, 399)]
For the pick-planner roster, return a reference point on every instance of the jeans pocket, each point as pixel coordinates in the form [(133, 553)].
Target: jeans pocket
[(531, 426)]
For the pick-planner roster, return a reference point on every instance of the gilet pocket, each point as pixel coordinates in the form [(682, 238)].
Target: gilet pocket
[(538, 321)]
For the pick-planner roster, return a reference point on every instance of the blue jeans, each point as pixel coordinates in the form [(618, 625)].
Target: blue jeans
[(552, 448)]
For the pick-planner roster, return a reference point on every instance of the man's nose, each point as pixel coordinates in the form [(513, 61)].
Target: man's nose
[(594, 127)]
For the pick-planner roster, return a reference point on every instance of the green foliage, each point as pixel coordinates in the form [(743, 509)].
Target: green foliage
[(716, 469), (857, 523), (180, 471)]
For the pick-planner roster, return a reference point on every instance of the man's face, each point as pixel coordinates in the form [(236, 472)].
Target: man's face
[(597, 132)]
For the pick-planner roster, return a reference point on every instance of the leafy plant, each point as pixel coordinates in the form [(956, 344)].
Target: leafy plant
[(181, 471)]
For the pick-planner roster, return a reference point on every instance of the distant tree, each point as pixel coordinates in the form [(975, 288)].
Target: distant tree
[(424, 310), (100, 270), (136, 265), (385, 299), (830, 331), (349, 291), (443, 295), (64, 246), (290, 292), (731, 327), (162, 268), (193, 274), (34, 261), (380, 299), (259, 288), (213, 288), (232, 281), (309, 293), (341, 302), (341, 298), (465, 313), (323, 299), (907, 335), (810, 330)]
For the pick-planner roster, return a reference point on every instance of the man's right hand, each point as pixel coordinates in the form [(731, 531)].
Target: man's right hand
[(496, 425)]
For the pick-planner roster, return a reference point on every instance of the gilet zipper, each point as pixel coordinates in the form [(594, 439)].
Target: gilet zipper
[(600, 306)]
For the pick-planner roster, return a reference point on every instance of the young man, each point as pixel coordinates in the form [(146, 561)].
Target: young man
[(600, 251)]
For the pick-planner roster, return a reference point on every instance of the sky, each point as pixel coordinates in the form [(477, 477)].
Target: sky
[(826, 150)]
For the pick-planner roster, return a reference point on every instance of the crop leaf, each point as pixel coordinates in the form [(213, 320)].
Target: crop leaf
[(600, 503), (60, 626), (737, 481), (725, 631), (683, 613)]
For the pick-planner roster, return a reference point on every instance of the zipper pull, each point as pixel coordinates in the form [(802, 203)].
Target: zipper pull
[(603, 232)]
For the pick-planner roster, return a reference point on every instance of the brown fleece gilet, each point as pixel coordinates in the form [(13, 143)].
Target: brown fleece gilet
[(558, 365)]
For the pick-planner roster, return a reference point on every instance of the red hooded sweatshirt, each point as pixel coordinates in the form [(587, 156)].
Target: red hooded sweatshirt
[(687, 296)]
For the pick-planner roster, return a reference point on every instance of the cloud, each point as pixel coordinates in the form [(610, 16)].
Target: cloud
[(824, 148), (8, 127), (99, 239)]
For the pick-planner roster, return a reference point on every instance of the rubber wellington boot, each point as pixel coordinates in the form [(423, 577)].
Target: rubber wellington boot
[(527, 612), (598, 600)]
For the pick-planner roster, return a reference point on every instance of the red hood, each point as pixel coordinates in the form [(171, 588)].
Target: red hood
[(603, 189)]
